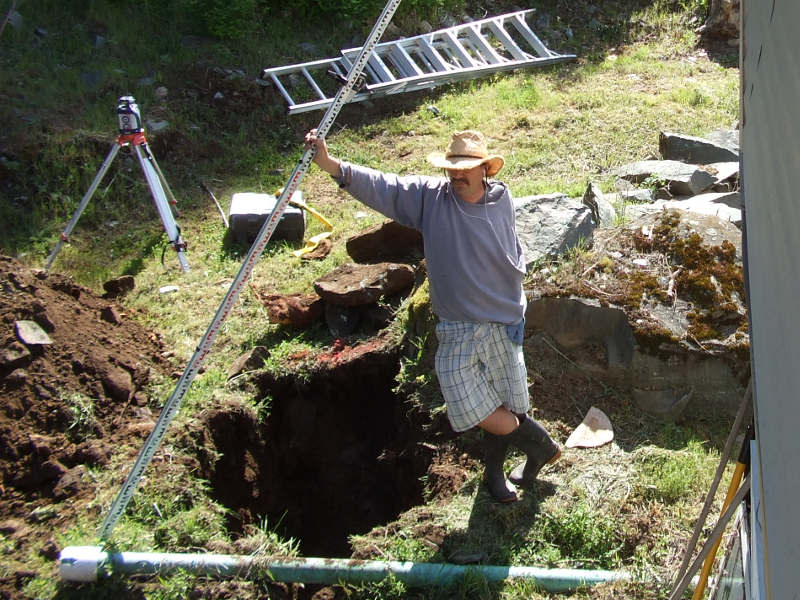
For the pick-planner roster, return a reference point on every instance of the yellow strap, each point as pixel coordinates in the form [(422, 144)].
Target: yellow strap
[(313, 241)]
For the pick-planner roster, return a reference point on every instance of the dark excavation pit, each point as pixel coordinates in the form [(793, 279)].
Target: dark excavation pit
[(335, 456)]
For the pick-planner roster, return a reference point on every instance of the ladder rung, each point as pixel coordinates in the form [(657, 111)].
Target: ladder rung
[(338, 70), (281, 89), (509, 44), (458, 50), (530, 37), (313, 84), (403, 61), (483, 46), (384, 75), (433, 56)]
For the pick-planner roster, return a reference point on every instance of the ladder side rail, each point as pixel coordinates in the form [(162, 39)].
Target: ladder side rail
[(429, 80), (482, 45), (320, 94), (522, 27), (287, 69), (509, 44), (481, 22), (452, 43)]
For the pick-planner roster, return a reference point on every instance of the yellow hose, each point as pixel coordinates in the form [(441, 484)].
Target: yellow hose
[(709, 562)]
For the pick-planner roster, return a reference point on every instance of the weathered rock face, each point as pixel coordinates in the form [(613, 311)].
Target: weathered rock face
[(388, 241), (295, 310), (660, 312), (681, 178), (353, 297), (550, 225), (723, 19), (357, 285)]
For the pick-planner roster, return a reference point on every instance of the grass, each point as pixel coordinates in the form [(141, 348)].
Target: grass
[(624, 506)]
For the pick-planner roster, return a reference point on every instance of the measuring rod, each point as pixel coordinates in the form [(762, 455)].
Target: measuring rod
[(345, 93)]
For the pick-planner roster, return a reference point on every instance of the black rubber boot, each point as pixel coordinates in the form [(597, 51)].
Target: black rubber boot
[(539, 447), (494, 454)]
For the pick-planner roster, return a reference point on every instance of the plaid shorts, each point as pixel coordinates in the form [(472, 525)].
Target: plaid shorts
[(479, 370)]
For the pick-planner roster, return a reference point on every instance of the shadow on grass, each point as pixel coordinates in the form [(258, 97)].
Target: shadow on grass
[(495, 534)]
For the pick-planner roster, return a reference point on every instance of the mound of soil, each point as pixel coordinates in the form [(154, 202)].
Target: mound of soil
[(65, 406)]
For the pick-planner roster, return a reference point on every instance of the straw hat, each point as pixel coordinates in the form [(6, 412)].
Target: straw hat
[(467, 150)]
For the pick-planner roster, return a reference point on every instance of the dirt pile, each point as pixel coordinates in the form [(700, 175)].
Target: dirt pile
[(65, 406)]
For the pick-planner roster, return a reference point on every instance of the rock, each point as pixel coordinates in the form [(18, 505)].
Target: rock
[(630, 331), (389, 241), (95, 453), (11, 527), (70, 483), (377, 316), (249, 361), (694, 150), (31, 333), (111, 314), (725, 206), (574, 322), (293, 310), (603, 211), (14, 355), (549, 225), (356, 285), (51, 469), (595, 430), (666, 404), (119, 286), (342, 320), (41, 446), (681, 179), (50, 550), (723, 19), (728, 138), (117, 382), (724, 171)]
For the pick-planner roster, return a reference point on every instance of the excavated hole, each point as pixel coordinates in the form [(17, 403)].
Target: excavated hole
[(336, 456)]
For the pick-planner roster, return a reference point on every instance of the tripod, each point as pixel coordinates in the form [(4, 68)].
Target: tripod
[(131, 133)]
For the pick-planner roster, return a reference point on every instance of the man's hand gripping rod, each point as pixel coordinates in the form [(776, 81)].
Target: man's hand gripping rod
[(343, 96)]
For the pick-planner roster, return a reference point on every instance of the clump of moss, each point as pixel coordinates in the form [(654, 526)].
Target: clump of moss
[(641, 284), (653, 337), (709, 276)]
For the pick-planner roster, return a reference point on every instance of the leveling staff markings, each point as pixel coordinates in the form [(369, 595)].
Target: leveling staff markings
[(173, 403)]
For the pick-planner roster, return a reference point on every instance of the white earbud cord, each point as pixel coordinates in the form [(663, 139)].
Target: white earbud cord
[(485, 202)]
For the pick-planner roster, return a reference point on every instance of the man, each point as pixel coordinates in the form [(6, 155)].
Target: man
[(475, 268)]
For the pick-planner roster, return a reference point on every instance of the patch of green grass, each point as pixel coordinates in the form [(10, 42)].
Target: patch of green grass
[(669, 476), (83, 420)]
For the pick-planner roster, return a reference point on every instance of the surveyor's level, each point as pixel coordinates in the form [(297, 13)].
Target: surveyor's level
[(462, 52)]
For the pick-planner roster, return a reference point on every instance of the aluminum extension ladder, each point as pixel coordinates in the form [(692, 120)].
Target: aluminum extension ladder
[(462, 52)]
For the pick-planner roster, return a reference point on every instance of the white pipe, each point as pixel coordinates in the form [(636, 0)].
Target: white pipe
[(88, 563)]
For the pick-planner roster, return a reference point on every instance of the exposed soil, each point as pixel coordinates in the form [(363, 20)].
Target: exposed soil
[(327, 462), (65, 407)]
